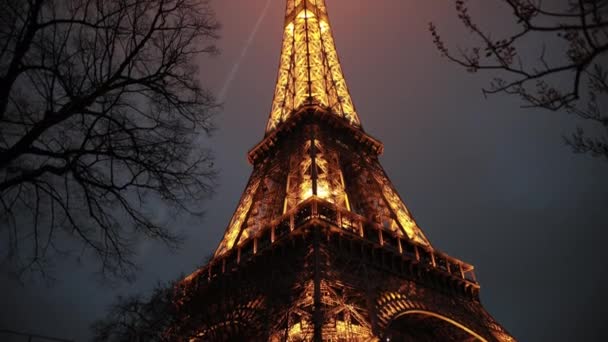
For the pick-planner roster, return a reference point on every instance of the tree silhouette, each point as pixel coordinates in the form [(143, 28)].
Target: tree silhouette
[(574, 37), (140, 318), (100, 112)]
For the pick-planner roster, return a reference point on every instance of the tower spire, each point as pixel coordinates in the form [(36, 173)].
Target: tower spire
[(309, 70)]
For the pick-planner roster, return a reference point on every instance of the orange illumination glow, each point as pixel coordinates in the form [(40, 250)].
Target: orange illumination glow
[(309, 70), (306, 14), (330, 181), (339, 330), (296, 260), (238, 219), (310, 74), (403, 215)]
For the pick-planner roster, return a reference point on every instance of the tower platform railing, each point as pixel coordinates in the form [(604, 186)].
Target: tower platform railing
[(317, 211)]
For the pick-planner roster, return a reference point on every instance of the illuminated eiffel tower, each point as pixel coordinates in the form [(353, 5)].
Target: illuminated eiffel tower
[(321, 247)]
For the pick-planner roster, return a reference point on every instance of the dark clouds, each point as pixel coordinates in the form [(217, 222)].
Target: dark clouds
[(488, 182)]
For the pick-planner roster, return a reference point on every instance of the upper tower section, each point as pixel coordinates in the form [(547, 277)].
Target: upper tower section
[(309, 70)]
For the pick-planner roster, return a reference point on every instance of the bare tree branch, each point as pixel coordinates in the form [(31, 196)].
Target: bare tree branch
[(577, 31), (100, 112), (140, 318)]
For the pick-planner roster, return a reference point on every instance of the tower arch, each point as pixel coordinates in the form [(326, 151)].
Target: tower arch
[(423, 324), (407, 317)]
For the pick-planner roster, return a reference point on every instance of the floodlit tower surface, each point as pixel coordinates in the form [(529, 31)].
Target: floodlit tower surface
[(321, 247)]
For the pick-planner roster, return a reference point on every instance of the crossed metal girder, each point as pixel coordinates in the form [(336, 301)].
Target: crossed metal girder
[(309, 69)]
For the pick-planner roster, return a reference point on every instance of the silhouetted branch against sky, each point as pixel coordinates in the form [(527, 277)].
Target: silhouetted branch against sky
[(555, 58), (100, 111), (139, 317)]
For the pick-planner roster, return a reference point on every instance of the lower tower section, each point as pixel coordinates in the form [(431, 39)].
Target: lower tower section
[(320, 282)]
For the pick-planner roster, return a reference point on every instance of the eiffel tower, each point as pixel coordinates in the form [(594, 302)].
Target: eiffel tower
[(321, 247)]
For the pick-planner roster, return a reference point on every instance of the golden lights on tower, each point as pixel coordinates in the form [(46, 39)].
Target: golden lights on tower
[(238, 219), (309, 70), (328, 177), (310, 76), (321, 246), (347, 322)]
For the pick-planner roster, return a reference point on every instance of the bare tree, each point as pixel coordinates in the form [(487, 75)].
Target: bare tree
[(140, 318), (100, 112), (568, 71)]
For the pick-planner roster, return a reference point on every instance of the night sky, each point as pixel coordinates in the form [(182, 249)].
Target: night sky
[(489, 183)]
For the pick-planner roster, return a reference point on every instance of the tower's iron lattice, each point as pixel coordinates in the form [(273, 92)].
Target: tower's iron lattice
[(321, 247)]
